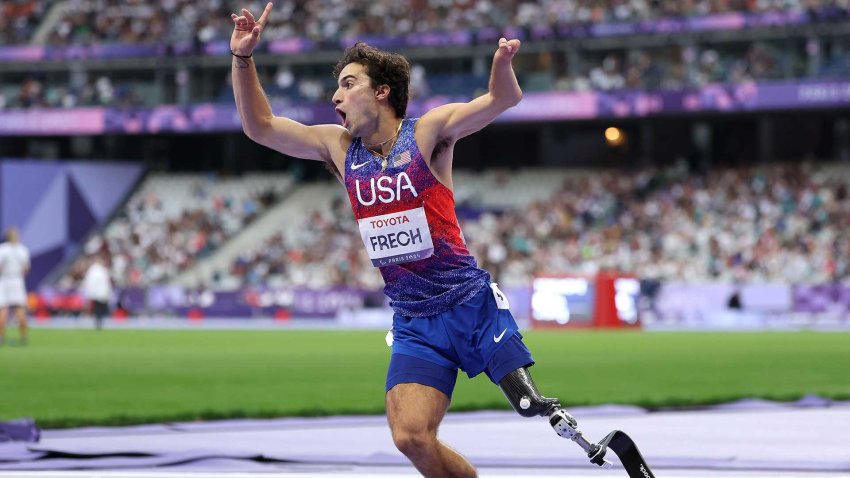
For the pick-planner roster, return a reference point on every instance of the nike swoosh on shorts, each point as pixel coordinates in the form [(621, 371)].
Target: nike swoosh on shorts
[(499, 337)]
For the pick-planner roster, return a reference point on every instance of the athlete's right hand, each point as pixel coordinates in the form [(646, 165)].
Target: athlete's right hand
[(246, 31)]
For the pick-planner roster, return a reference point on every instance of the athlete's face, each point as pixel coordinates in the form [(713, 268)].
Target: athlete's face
[(356, 101)]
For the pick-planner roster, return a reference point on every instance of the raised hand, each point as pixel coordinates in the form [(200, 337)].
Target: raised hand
[(507, 50), (246, 31)]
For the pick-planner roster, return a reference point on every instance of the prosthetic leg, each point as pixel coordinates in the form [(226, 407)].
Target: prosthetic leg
[(524, 397)]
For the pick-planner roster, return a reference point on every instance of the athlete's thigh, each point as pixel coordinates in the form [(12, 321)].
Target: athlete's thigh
[(413, 407), (4, 300), (16, 292)]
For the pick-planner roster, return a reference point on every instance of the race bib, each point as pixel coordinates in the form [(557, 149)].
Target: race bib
[(397, 238)]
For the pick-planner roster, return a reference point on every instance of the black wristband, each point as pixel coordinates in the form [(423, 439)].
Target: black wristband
[(240, 56)]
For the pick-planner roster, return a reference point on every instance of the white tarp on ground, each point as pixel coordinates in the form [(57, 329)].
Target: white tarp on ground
[(748, 438)]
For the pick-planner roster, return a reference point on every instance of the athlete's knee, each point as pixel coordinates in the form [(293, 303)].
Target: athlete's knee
[(522, 393), (412, 434), (414, 442)]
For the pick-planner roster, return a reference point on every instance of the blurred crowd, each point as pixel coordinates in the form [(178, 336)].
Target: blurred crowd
[(146, 245), (98, 91), (321, 20), (672, 69), (326, 251), (136, 21), (19, 19), (668, 68), (326, 22), (172, 21), (786, 223)]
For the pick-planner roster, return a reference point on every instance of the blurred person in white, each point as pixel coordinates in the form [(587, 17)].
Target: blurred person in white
[(97, 288), (14, 265), (448, 315)]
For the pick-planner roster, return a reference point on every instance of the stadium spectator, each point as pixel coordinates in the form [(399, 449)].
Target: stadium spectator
[(97, 288), (192, 25), (14, 265), (607, 76), (781, 223), (328, 21), (35, 92), (19, 19)]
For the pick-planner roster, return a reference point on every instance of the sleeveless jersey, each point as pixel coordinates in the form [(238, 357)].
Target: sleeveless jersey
[(408, 224), (14, 260)]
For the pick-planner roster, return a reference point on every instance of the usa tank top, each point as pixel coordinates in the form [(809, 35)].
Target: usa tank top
[(409, 227)]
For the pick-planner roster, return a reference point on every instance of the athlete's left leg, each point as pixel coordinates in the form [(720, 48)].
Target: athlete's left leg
[(508, 368), (4, 312), (21, 315), (414, 412)]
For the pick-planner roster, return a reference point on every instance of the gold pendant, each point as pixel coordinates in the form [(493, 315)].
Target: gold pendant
[(383, 165)]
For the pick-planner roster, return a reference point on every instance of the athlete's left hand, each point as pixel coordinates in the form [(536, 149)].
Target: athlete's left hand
[(507, 50)]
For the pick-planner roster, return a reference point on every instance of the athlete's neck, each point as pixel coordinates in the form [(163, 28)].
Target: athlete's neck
[(382, 141)]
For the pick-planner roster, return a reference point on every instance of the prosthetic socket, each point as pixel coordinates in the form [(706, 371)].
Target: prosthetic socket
[(524, 397)]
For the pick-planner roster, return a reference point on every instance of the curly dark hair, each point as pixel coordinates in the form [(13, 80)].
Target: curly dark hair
[(383, 68)]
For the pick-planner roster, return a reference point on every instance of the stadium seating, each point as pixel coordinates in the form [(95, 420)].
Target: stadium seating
[(184, 20), (171, 221), (186, 25), (740, 224), (197, 231)]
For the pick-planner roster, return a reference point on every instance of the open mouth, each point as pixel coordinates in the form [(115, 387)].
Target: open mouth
[(342, 116)]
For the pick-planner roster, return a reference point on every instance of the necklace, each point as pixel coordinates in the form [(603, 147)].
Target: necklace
[(383, 157)]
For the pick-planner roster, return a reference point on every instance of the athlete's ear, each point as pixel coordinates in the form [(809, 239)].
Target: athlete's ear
[(382, 92)]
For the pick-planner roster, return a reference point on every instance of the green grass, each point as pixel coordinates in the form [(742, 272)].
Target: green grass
[(74, 377)]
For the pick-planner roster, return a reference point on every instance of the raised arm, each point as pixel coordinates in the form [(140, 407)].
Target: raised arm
[(259, 123), (455, 120)]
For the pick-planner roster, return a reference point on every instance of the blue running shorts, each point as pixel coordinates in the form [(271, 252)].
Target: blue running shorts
[(479, 335)]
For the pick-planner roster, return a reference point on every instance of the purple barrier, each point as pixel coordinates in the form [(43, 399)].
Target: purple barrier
[(22, 53), (133, 298), (251, 302), (293, 45), (248, 302), (207, 117), (548, 106), (688, 301), (219, 47), (53, 121), (82, 52), (727, 21), (747, 305), (215, 304), (825, 298), (679, 305), (326, 302), (553, 106)]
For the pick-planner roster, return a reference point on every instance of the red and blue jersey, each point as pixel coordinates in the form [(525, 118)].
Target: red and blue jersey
[(408, 224)]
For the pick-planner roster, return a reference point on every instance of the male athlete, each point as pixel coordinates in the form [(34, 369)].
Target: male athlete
[(14, 265), (398, 174)]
